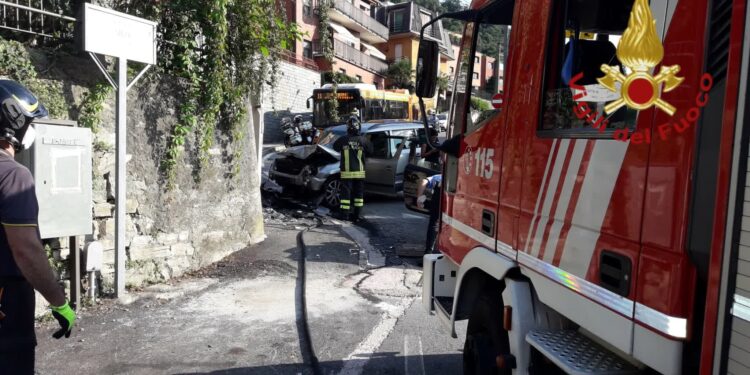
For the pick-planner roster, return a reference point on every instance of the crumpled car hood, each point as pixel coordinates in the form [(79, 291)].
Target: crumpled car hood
[(304, 152)]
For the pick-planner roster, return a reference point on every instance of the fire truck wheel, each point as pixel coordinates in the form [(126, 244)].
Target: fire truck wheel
[(485, 337)]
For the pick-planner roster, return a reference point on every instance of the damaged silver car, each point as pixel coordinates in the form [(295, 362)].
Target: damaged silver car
[(314, 169)]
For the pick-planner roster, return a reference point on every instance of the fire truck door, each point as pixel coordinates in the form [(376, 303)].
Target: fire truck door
[(583, 190), (473, 177)]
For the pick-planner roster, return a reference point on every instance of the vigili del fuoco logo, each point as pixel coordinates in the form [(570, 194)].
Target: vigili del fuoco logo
[(640, 50)]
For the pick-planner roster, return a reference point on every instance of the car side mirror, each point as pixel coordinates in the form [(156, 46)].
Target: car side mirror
[(307, 103), (427, 68)]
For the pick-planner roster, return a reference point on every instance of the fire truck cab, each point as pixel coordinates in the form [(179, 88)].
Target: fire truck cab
[(611, 241)]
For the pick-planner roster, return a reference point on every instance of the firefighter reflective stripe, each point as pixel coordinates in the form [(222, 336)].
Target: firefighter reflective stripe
[(359, 202), (357, 174), (352, 166), (345, 204), (346, 161)]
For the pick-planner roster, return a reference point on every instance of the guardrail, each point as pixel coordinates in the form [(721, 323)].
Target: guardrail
[(37, 17)]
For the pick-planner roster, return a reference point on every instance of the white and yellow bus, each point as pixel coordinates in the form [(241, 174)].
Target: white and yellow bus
[(364, 99)]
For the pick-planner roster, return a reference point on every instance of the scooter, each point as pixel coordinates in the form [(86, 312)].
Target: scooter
[(291, 132), (309, 133)]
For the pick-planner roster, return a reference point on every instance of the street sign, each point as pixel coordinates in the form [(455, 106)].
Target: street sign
[(125, 37), (117, 34), (497, 100)]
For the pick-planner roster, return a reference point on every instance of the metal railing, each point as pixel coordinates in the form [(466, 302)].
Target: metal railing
[(352, 55), (361, 17), (302, 61), (37, 17)]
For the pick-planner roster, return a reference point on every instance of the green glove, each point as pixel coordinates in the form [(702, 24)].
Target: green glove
[(66, 317)]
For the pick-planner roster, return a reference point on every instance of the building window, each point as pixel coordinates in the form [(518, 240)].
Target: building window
[(307, 49), (342, 71), (307, 8), (398, 51), (452, 70), (476, 59), (476, 75), (358, 77), (398, 20)]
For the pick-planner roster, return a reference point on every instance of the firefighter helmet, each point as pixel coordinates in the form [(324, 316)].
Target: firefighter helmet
[(298, 119), (18, 107), (352, 125)]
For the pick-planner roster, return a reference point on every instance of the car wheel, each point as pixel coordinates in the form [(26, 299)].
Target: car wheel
[(331, 190)]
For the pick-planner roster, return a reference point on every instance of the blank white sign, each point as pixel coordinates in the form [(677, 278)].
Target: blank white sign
[(117, 34)]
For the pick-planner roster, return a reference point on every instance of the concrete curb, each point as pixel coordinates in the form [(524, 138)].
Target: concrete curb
[(369, 257)]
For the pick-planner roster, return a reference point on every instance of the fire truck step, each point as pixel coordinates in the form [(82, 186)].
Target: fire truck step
[(445, 304), (575, 353)]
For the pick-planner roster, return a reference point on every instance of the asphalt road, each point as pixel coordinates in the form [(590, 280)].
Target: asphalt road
[(419, 343), (244, 314)]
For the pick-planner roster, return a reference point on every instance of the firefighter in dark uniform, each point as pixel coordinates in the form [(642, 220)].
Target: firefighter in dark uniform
[(354, 148), (23, 262)]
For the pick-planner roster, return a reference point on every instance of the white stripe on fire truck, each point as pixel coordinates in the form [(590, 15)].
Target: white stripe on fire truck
[(593, 202), (614, 301), (535, 217), (474, 234), (672, 326), (741, 307), (562, 204), (549, 196), (480, 237)]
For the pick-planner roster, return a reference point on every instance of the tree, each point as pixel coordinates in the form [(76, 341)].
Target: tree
[(443, 81), (328, 77), (400, 75)]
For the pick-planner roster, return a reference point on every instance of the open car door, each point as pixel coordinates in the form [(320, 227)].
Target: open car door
[(417, 170)]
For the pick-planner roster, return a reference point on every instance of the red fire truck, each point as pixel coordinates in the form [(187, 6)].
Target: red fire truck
[(571, 249)]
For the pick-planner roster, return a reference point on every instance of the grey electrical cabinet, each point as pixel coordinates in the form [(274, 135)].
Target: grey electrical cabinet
[(60, 161)]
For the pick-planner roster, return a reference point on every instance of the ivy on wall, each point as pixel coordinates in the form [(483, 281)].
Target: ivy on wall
[(16, 64), (92, 106), (222, 51), (225, 50), (326, 43)]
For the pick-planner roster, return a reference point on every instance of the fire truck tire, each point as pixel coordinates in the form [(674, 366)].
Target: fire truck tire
[(485, 336)]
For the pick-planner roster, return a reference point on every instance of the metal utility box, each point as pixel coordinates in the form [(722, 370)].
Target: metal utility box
[(60, 161)]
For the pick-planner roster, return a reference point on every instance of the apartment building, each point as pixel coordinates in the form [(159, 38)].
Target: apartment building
[(354, 35), (486, 69), (404, 22), (366, 36)]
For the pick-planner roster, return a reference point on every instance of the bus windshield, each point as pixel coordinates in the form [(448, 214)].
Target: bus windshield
[(322, 111)]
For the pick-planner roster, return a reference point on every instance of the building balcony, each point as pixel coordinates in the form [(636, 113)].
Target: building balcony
[(352, 55), (302, 61), (355, 19)]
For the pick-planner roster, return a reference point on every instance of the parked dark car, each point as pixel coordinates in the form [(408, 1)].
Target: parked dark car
[(314, 169)]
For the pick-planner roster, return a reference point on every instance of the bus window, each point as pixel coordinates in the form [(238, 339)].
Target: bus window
[(397, 110), (322, 112), (374, 110)]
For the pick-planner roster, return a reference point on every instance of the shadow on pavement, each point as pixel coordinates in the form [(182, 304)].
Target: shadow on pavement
[(383, 363)]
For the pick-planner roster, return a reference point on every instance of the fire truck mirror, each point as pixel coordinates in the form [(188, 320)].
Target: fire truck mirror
[(427, 68)]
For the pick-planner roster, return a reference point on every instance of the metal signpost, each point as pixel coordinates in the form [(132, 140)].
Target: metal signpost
[(125, 37)]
